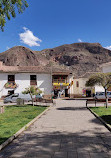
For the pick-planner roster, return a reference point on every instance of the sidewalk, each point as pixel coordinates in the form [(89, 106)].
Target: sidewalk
[(68, 130)]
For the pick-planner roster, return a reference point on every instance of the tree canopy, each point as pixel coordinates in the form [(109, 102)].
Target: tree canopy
[(103, 79), (32, 90), (8, 10)]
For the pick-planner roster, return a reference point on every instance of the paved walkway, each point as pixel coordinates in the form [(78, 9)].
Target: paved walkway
[(68, 130)]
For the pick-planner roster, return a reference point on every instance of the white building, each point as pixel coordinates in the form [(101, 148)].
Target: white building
[(106, 67), (80, 89), (14, 79)]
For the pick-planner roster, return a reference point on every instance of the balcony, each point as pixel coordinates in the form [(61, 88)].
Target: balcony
[(59, 81), (60, 84)]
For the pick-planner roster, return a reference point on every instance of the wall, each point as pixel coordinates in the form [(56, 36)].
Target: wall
[(3, 80), (82, 82), (71, 89), (99, 89), (106, 68), (44, 82)]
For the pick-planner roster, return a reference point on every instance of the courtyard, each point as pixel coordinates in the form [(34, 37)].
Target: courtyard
[(67, 130)]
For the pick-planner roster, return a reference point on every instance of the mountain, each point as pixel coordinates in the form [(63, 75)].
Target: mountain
[(22, 56), (78, 57)]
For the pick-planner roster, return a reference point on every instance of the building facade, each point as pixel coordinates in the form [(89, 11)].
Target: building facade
[(106, 68), (14, 79), (80, 89), (62, 84), (11, 83)]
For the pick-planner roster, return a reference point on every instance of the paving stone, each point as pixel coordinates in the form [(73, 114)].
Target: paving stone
[(109, 154), (5, 154), (99, 155), (99, 147), (60, 155), (66, 146), (18, 154), (72, 154), (83, 155), (34, 154)]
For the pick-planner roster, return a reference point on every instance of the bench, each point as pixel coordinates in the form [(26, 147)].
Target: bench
[(95, 101)]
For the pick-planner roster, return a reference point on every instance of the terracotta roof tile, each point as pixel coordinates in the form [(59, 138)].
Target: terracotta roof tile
[(35, 69)]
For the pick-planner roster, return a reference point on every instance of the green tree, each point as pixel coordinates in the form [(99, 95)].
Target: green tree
[(101, 79), (32, 90), (7, 9)]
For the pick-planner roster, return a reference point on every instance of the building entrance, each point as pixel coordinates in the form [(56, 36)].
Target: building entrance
[(66, 93), (88, 93)]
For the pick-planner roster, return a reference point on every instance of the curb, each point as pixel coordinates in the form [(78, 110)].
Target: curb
[(9, 140), (103, 122)]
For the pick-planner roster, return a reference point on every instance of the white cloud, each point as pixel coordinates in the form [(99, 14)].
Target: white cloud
[(28, 38), (108, 47), (7, 48), (79, 40)]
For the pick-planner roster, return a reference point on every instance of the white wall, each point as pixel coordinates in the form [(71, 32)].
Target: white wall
[(99, 89), (3, 80), (82, 82), (44, 82), (107, 68)]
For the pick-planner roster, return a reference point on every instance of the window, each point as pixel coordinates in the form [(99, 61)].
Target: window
[(11, 78), (33, 80), (77, 83)]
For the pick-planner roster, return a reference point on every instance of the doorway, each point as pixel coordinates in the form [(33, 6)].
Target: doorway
[(66, 93), (88, 93), (56, 93)]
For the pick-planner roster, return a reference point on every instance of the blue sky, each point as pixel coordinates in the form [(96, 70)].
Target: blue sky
[(51, 23)]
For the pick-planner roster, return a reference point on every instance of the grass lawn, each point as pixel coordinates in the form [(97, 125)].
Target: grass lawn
[(15, 117), (104, 113)]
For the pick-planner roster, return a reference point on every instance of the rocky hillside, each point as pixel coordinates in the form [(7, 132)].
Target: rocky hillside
[(22, 56), (78, 57)]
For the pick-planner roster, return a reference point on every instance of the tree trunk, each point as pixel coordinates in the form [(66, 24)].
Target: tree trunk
[(106, 98), (32, 100)]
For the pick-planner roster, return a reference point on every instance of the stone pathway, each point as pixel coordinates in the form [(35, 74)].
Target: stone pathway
[(68, 130)]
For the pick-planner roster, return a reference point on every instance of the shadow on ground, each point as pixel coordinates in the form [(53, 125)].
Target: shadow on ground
[(107, 119), (59, 145), (97, 121), (72, 108), (23, 106), (75, 99), (3, 139)]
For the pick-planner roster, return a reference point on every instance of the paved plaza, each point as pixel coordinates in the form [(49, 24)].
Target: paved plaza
[(67, 130)]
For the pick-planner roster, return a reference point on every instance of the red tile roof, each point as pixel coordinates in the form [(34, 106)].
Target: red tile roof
[(32, 69)]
